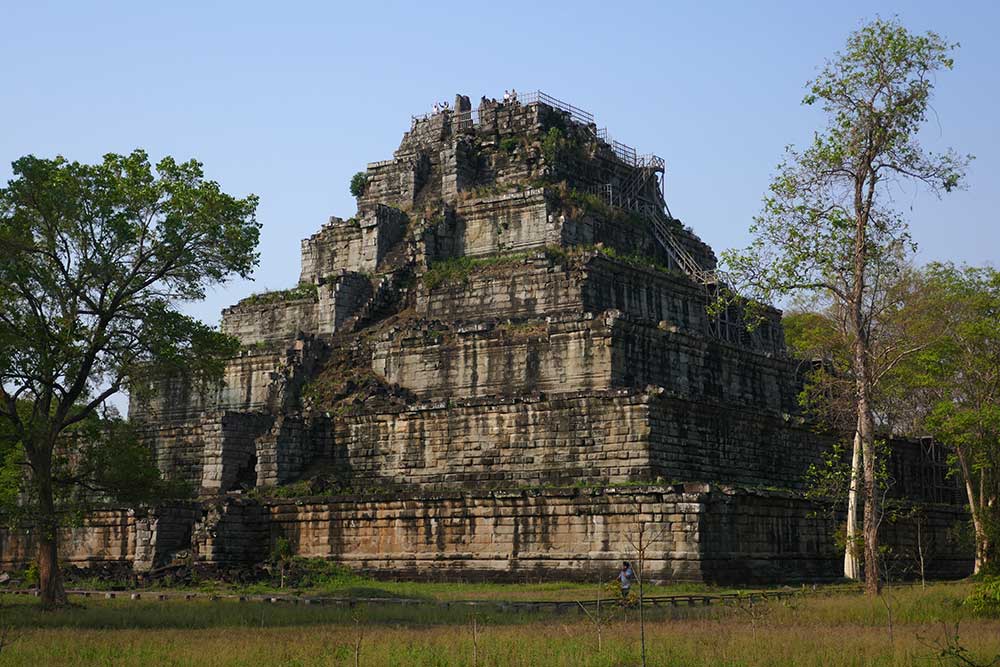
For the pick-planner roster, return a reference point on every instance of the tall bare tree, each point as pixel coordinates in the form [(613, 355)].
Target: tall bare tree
[(829, 226)]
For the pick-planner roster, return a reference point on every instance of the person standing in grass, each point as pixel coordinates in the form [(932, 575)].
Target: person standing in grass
[(625, 577)]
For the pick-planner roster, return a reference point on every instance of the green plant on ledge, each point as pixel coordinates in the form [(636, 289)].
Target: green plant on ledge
[(359, 182), (304, 290), (458, 269)]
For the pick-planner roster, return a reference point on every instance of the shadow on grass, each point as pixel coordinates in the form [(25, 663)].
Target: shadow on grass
[(198, 614)]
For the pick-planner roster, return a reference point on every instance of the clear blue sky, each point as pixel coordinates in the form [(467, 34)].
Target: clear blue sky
[(287, 100)]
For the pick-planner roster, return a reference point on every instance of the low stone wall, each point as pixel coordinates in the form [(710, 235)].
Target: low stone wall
[(518, 535), (142, 538), (698, 532), (765, 536)]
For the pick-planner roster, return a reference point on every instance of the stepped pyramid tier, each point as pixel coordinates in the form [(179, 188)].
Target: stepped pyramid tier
[(496, 366)]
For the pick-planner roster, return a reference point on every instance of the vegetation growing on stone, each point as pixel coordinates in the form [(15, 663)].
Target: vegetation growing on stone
[(456, 270), (304, 290), (359, 183), (637, 260)]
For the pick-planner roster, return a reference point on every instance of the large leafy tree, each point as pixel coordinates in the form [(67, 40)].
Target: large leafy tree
[(94, 261), (903, 324), (959, 377), (828, 225)]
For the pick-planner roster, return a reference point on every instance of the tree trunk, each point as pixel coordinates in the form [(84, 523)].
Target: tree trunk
[(978, 528), (870, 523), (50, 582), (866, 433), (852, 568)]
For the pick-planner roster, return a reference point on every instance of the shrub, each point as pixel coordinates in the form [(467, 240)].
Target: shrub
[(551, 144), (508, 144), (985, 598), (303, 290), (457, 270), (358, 183)]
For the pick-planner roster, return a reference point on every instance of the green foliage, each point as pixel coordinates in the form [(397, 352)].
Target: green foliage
[(98, 461), (304, 290), (829, 480), (985, 598), (595, 205), (359, 183), (636, 260), (829, 227), (509, 144), (875, 95), (959, 377), (299, 489), (456, 270), (558, 145), (117, 467), (95, 261)]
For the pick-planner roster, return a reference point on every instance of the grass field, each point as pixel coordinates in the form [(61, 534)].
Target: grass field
[(832, 628)]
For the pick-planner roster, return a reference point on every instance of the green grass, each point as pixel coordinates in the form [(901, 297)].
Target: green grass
[(318, 577), (831, 629)]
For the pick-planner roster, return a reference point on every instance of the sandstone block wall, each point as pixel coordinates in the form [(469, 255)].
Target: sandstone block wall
[(254, 323), (704, 533), (702, 368), (340, 298), (269, 323), (336, 247), (579, 534), (229, 456), (542, 286), (757, 535), (611, 436), (580, 353), (231, 531), (355, 245), (253, 380), (506, 223), (144, 538), (587, 436), (695, 441), (290, 445), (499, 360)]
